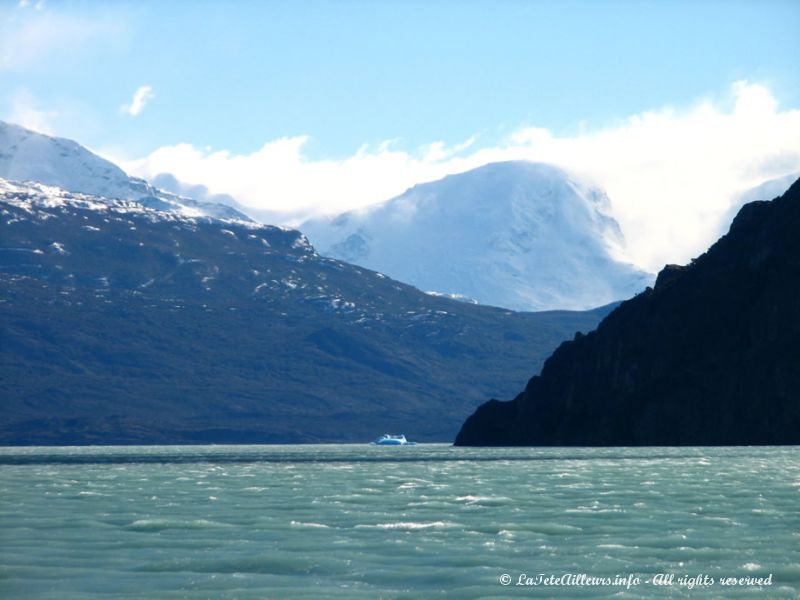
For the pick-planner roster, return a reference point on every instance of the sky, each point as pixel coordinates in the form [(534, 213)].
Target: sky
[(301, 107)]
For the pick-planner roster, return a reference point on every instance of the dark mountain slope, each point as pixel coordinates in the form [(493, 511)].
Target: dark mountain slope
[(124, 324), (710, 356)]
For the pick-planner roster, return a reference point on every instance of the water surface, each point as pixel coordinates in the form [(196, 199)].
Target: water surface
[(401, 522)]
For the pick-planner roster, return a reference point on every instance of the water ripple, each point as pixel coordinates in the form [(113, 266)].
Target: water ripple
[(353, 522)]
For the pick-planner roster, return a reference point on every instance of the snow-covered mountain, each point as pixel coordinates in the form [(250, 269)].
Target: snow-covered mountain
[(520, 235), (26, 155)]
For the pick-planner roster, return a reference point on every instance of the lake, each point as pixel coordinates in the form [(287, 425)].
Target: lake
[(426, 521)]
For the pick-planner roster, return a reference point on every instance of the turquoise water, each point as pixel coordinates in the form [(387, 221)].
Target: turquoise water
[(426, 521)]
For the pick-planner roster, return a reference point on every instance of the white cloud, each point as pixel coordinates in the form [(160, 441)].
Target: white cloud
[(41, 38), (141, 97), (25, 111), (670, 174)]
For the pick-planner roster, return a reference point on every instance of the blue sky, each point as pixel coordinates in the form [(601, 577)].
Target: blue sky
[(327, 84), (233, 75)]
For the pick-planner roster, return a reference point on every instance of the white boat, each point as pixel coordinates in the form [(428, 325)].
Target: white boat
[(392, 440)]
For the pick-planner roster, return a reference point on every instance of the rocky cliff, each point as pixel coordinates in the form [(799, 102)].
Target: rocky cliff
[(710, 356)]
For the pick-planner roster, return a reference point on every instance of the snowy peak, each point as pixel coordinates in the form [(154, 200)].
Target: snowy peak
[(26, 155), (29, 156), (522, 235), (509, 185)]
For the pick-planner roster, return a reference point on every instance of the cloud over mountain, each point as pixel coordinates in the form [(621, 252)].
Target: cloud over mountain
[(671, 173)]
